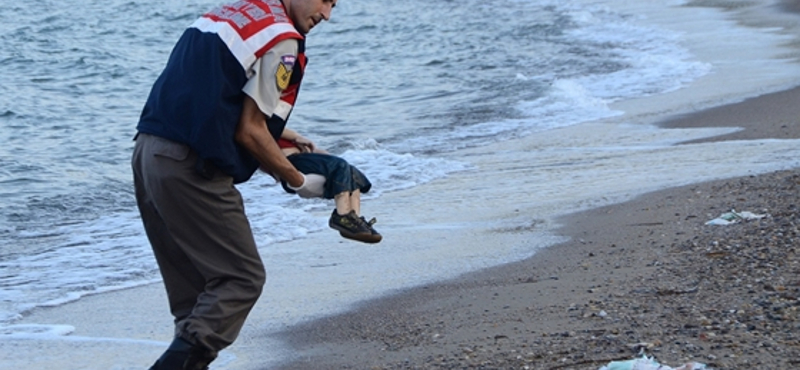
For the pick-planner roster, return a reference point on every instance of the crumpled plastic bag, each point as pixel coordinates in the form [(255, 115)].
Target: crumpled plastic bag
[(647, 363), (733, 217)]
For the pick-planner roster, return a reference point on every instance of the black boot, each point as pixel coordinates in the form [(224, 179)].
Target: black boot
[(182, 355)]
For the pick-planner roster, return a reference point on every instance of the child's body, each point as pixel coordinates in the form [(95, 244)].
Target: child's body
[(343, 183)]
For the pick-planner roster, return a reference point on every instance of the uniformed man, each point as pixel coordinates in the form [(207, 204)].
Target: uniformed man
[(210, 121)]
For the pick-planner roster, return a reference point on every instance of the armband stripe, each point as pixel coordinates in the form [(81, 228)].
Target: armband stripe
[(246, 50)]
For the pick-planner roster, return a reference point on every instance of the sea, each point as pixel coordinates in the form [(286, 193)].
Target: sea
[(396, 88)]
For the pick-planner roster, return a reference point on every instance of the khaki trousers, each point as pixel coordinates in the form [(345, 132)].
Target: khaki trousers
[(201, 239)]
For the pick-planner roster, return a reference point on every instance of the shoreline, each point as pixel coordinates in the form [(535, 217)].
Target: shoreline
[(768, 116), (644, 275)]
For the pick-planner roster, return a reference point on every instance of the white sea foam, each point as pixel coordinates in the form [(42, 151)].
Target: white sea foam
[(35, 331), (112, 252)]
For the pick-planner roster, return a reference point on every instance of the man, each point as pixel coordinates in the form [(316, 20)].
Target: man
[(211, 119)]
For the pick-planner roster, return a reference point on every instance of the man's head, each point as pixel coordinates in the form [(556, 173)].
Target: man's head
[(305, 14)]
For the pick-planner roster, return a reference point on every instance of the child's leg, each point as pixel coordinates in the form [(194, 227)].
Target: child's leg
[(355, 201), (343, 203), (348, 201)]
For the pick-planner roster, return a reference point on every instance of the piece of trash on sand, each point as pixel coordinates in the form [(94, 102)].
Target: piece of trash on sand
[(733, 217), (647, 363)]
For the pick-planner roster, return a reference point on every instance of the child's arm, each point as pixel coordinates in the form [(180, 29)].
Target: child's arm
[(305, 145)]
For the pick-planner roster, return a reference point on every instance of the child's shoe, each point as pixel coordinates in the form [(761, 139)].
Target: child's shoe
[(369, 223), (353, 227)]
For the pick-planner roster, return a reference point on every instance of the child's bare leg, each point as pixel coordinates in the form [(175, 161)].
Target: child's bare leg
[(343, 203), (355, 201)]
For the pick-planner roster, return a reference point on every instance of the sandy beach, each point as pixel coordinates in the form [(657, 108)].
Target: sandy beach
[(642, 277)]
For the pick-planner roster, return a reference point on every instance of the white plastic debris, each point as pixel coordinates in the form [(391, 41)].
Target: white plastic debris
[(733, 217), (647, 363)]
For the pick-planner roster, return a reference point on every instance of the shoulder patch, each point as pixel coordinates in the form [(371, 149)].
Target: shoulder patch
[(284, 72)]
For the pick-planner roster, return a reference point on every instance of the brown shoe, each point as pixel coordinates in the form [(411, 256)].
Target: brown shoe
[(353, 227), (369, 223)]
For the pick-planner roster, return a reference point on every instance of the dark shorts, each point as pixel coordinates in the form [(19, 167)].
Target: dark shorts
[(340, 176)]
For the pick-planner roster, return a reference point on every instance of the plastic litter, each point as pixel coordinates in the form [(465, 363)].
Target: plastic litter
[(733, 217), (647, 363)]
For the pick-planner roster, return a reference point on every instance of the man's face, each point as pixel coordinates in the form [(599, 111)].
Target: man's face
[(308, 13)]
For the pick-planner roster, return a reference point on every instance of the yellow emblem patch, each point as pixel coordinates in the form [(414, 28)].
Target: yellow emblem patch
[(282, 76)]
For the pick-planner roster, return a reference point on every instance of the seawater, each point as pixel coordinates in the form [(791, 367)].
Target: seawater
[(391, 86)]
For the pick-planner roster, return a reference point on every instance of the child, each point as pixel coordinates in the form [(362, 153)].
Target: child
[(343, 183)]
